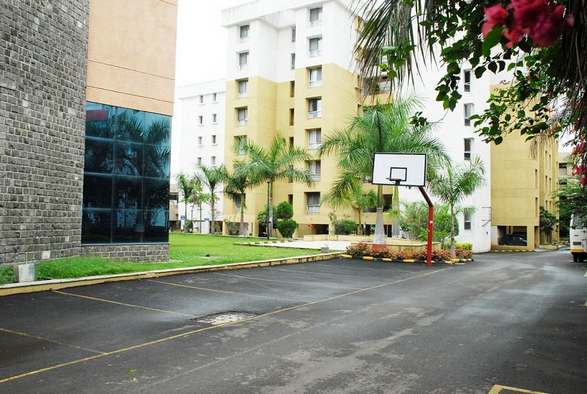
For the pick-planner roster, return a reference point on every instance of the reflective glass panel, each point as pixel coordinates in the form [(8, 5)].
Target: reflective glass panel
[(127, 157)]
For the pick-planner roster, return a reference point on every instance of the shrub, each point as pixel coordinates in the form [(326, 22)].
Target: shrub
[(283, 211), (405, 255), (232, 227), (464, 253), (381, 252), (189, 225), (287, 227), (464, 246), (358, 250), (441, 255), (345, 227)]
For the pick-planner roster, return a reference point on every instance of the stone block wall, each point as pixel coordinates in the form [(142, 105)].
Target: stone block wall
[(43, 56), (155, 252)]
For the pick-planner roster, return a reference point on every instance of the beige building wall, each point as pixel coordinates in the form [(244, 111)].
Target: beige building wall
[(269, 107), (524, 177), (138, 71)]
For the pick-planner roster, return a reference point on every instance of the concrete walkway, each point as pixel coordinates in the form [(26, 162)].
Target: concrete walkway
[(332, 245)]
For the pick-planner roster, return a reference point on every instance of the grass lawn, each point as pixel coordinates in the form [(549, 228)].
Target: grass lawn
[(185, 250)]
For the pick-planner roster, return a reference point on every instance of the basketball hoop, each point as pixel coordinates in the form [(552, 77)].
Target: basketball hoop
[(405, 169)]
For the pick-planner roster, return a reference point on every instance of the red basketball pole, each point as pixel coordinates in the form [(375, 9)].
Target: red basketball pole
[(430, 226)]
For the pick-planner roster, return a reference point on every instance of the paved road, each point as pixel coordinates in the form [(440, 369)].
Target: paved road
[(342, 326)]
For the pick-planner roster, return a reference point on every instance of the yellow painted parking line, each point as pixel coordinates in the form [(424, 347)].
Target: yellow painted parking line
[(98, 299), (199, 330), (215, 290), (499, 388), (44, 339)]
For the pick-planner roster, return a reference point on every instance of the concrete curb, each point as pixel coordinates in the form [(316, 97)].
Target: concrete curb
[(56, 284), (406, 261)]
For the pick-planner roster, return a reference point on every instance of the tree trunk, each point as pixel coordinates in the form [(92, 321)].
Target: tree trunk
[(212, 215), (395, 228), (270, 209), (242, 229), (200, 222), (360, 222), (192, 216), (452, 233), (185, 215), (379, 238)]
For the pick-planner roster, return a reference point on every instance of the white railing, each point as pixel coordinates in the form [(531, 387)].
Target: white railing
[(315, 83), (313, 209), (314, 145), (315, 177), (315, 52), (314, 114)]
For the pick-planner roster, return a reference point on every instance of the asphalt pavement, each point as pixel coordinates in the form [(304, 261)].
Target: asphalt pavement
[(515, 320)]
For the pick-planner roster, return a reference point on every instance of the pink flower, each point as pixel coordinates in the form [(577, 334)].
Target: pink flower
[(543, 22), (494, 16), (583, 180)]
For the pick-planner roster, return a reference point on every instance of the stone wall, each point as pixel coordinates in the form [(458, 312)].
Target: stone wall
[(43, 52), (154, 252)]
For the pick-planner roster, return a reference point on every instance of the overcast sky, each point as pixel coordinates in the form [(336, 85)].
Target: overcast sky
[(201, 40)]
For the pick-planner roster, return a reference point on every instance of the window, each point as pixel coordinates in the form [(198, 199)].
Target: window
[(200, 140), (314, 46), (313, 202), (292, 64), (243, 86), (201, 99), (469, 109), (213, 160), (535, 178), (200, 120), (243, 60), (199, 161), (467, 80), (214, 118), (126, 176), (293, 34), (315, 15), (214, 97), (468, 146), (314, 107), (292, 88), (291, 142), (243, 32), (240, 144), (291, 116), (213, 139), (314, 138), (315, 76), (468, 218), (290, 199), (314, 169), (242, 115)]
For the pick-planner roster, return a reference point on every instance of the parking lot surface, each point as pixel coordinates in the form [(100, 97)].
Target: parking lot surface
[(516, 320)]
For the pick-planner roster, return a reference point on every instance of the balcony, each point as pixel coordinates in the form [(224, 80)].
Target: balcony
[(314, 53), (313, 209), (315, 83), (315, 176), (314, 145), (314, 114)]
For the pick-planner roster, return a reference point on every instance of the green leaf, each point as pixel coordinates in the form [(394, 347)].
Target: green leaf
[(479, 71), (491, 40)]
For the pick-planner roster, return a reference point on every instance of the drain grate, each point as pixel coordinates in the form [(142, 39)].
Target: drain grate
[(225, 317)]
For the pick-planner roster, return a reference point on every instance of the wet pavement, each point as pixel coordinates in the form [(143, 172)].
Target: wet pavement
[(516, 320)]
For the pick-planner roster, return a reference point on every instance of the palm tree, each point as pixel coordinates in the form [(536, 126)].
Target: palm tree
[(197, 198), (212, 177), (354, 197), (236, 186), (186, 186), (381, 128), (453, 184), (278, 162)]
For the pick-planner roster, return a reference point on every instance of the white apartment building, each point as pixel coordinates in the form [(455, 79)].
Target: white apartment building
[(198, 139)]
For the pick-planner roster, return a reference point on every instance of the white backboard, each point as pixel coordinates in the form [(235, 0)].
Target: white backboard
[(401, 169)]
